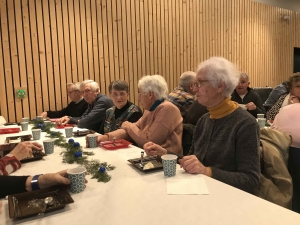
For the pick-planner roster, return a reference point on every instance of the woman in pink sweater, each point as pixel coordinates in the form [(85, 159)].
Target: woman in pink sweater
[(161, 122)]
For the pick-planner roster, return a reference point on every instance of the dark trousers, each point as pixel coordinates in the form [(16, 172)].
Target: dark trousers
[(294, 168)]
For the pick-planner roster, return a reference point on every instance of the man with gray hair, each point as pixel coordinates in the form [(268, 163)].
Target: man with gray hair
[(183, 95), (75, 109), (246, 97), (93, 117)]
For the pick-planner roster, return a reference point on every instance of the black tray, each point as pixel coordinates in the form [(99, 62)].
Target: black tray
[(21, 138), (154, 159), (37, 155), (83, 133), (31, 203)]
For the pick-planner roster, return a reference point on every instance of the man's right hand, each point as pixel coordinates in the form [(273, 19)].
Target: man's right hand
[(63, 121)]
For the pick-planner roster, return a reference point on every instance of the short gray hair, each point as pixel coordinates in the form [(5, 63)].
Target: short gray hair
[(94, 85), (244, 75), (155, 83), (219, 70), (75, 86), (186, 78)]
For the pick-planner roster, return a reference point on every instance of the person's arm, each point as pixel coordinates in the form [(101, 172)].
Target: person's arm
[(275, 108), (96, 115), (247, 160), (18, 184), (59, 113), (259, 105), (166, 120), (9, 164)]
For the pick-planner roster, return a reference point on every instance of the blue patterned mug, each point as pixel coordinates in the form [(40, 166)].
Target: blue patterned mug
[(169, 164), (77, 178)]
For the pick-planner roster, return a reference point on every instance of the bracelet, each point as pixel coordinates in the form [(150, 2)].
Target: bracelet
[(35, 183)]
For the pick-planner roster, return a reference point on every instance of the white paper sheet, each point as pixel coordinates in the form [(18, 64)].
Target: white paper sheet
[(192, 185)]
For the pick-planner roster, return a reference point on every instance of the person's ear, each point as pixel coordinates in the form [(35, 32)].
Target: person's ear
[(221, 87), (151, 94)]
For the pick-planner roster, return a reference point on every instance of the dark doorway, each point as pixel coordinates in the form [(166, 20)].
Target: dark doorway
[(296, 60)]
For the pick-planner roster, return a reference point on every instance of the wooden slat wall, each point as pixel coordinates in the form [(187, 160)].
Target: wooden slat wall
[(45, 44)]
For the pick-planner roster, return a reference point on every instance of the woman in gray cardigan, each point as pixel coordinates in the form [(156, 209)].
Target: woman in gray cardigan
[(225, 144)]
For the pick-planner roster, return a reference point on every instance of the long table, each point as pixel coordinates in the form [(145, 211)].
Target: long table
[(132, 197)]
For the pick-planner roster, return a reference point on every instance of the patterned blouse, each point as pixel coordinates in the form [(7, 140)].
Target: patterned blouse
[(275, 108)]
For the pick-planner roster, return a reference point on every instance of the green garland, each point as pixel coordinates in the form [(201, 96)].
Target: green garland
[(73, 153)]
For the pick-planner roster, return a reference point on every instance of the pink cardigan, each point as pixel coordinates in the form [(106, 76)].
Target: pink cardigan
[(162, 126)]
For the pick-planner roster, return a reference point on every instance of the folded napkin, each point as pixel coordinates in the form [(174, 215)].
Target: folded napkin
[(187, 185)]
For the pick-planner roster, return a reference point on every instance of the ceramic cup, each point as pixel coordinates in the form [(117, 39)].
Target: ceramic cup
[(48, 146), (24, 126), (39, 118), (92, 140), (47, 122), (25, 119), (69, 132), (243, 106), (260, 115), (169, 164), (36, 134), (77, 178), (261, 122)]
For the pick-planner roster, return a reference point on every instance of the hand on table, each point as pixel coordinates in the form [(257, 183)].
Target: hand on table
[(191, 164), (63, 121), (44, 114), (154, 149), (24, 149), (251, 106)]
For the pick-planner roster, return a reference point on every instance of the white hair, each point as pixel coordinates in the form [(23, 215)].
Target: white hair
[(218, 71), (74, 85), (245, 76), (94, 85), (155, 83)]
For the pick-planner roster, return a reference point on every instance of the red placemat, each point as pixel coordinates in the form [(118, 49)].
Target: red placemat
[(64, 126), (9, 130)]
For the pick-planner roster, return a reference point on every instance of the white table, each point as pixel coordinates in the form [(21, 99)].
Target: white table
[(132, 197)]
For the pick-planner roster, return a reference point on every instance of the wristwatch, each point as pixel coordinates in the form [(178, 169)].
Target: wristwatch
[(35, 183)]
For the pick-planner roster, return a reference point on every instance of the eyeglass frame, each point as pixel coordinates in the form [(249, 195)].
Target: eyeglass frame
[(198, 83)]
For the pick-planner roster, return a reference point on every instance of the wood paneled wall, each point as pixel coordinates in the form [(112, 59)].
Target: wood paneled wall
[(45, 44)]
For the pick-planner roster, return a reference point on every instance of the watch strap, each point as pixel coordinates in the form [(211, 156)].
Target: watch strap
[(35, 183)]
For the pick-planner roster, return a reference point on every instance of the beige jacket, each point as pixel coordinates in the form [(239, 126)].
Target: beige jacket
[(275, 181)]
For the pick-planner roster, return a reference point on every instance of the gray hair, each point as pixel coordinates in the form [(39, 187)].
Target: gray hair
[(75, 86), (155, 83), (219, 70), (244, 75), (186, 78), (94, 85)]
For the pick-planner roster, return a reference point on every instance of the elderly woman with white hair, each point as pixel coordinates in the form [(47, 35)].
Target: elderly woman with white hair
[(161, 122), (225, 144)]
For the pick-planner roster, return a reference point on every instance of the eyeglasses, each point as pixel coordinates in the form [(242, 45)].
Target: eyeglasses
[(198, 83)]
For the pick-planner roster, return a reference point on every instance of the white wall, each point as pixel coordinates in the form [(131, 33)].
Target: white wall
[(286, 4)]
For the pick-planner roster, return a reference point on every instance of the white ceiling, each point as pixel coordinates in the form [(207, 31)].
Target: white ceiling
[(287, 4)]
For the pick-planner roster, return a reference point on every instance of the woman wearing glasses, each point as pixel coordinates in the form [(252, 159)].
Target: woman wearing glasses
[(292, 97), (225, 144), (161, 122), (122, 111)]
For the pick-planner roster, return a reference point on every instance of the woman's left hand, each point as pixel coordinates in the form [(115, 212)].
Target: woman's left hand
[(154, 149), (191, 164)]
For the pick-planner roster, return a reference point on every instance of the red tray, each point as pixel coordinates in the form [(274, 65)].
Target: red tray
[(9, 130), (64, 126), (110, 145)]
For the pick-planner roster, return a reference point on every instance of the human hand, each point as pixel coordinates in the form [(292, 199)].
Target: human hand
[(154, 149), (44, 114), (24, 149), (100, 138), (63, 121), (126, 125), (191, 164), (293, 99), (251, 106)]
